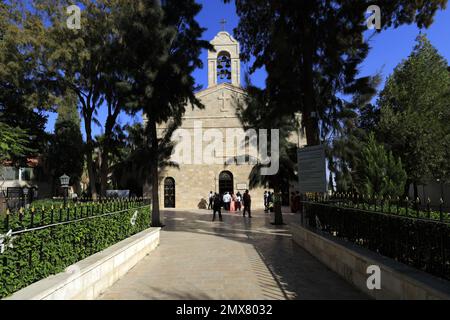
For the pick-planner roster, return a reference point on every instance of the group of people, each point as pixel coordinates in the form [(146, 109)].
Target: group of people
[(296, 201), (268, 201), (230, 202)]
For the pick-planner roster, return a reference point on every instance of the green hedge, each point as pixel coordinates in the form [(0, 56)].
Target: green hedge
[(37, 254)]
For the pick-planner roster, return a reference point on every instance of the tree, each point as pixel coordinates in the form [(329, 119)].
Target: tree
[(131, 168), (23, 93), (414, 113), (116, 90), (80, 60), (348, 138), (164, 92), (13, 143), (312, 49), (380, 173), (66, 150), (257, 112)]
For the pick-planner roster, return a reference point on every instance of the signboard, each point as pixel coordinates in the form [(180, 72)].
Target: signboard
[(312, 173), (121, 194), (241, 186)]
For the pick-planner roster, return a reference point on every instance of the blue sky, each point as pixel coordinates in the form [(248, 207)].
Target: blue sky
[(388, 48)]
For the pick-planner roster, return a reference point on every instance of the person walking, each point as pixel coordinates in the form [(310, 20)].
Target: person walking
[(233, 203), (217, 207), (226, 201), (238, 201), (210, 198), (247, 203), (266, 203), (270, 201), (293, 203)]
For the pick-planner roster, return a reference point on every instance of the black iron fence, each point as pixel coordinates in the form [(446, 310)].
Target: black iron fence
[(41, 241), (13, 198), (414, 208), (54, 212), (402, 231)]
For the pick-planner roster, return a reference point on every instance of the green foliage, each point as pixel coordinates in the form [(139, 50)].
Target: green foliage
[(259, 111), (256, 112), (37, 254), (347, 141), (66, 150), (415, 113), (23, 92), (13, 143), (379, 172), (312, 50), (163, 46)]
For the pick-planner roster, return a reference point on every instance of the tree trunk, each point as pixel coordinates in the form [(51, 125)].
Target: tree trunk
[(154, 173), (89, 158), (407, 186), (277, 206), (416, 191), (310, 121), (109, 127), (104, 167)]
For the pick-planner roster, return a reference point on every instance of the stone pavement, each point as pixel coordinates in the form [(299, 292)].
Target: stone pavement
[(242, 259)]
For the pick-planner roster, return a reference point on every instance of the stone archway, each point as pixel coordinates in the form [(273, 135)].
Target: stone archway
[(169, 192), (226, 182)]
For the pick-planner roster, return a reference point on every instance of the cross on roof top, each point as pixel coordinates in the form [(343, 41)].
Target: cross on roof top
[(223, 22)]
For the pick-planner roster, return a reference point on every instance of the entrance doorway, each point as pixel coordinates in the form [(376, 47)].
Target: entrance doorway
[(169, 193), (226, 182)]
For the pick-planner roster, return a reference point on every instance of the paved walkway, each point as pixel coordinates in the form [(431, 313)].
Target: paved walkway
[(235, 259)]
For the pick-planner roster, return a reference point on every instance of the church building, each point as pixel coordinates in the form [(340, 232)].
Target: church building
[(188, 186)]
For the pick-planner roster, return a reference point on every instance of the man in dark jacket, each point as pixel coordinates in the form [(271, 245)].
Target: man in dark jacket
[(217, 207), (247, 203)]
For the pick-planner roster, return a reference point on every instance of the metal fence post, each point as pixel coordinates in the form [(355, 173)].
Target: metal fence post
[(32, 217), (43, 215), (52, 213), (7, 220), (406, 205), (389, 204), (418, 209)]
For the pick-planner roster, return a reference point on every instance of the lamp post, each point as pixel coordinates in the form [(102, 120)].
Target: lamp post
[(25, 196), (64, 180)]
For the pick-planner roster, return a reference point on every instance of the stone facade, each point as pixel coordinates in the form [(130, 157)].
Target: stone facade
[(191, 182)]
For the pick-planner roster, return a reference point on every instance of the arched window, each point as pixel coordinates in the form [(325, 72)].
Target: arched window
[(169, 193), (223, 67), (226, 182)]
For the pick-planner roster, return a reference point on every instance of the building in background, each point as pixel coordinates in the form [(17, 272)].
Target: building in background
[(188, 186)]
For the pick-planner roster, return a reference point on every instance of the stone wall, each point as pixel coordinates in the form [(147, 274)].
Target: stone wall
[(194, 182), (398, 281)]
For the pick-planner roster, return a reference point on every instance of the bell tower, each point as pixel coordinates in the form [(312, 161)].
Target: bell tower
[(224, 64)]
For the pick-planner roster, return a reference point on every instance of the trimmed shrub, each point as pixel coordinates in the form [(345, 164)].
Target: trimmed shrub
[(34, 254)]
